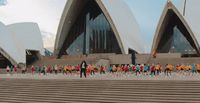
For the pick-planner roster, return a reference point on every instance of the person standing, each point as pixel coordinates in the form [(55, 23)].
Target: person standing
[(137, 69), (153, 71), (8, 69), (32, 69), (83, 69), (158, 69), (56, 69), (145, 69), (23, 69), (194, 69), (15, 68), (44, 70), (92, 70), (11, 69)]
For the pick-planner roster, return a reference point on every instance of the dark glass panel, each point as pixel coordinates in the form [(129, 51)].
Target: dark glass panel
[(91, 33), (176, 38)]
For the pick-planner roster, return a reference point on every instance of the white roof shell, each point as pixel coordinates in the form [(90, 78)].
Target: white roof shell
[(119, 16), (192, 16), (169, 6), (15, 39)]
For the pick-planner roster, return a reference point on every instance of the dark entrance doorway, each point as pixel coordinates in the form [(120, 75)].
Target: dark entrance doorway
[(31, 56), (133, 57)]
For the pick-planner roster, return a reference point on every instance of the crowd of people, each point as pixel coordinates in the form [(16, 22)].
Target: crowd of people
[(83, 68)]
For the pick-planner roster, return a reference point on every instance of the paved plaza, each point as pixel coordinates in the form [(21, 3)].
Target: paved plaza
[(107, 76)]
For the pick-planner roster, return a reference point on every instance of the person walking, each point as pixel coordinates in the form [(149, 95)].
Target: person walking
[(83, 69)]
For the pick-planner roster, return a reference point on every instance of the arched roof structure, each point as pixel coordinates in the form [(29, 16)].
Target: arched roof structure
[(119, 16), (170, 12)]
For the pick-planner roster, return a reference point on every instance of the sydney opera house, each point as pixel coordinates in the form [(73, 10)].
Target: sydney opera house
[(20, 43), (96, 26)]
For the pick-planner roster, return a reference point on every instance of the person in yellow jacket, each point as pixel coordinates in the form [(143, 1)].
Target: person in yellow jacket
[(182, 67), (168, 69), (158, 69)]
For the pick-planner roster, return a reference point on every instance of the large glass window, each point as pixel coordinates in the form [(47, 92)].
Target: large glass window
[(180, 44), (175, 37), (91, 33)]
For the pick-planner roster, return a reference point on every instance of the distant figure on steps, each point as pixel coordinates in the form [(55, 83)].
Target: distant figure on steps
[(83, 69)]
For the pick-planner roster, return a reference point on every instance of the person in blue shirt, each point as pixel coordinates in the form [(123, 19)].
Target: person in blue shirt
[(194, 69), (146, 69), (110, 69)]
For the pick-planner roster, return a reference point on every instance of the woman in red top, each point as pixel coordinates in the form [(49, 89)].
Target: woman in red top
[(153, 70), (32, 69), (15, 68), (133, 68), (141, 68), (123, 68), (48, 69), (88, 70), (126, 68), (102, 70)]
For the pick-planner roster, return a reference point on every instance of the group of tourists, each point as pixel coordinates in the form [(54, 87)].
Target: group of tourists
[(85, 69)]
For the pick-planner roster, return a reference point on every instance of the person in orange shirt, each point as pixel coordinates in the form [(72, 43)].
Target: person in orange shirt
[(65, 69), (187, 69), (168, 68), (158, 69), (198, 68), (190, 69), (171, 69), (178, 68), (92, 72), (88, 70), (182, 67)]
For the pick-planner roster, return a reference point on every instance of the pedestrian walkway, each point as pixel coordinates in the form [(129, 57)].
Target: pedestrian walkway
[(107, 76)]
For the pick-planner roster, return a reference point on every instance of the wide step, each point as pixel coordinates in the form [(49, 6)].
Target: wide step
[(108, 91)]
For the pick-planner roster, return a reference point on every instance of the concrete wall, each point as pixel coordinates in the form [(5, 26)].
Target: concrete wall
[(90, 59)]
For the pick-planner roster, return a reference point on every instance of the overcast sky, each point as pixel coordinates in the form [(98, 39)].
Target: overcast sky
[(47, 14)]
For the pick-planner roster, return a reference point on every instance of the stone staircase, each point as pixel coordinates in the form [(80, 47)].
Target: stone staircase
[(98, 91)]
